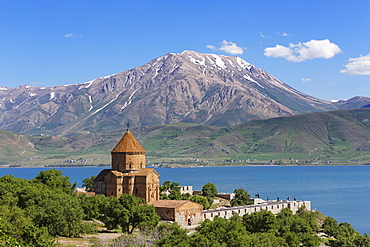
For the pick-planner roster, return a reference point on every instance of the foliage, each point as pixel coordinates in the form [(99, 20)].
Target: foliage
[(32, 212), (93, 206), (263, 221), (221, 232), (54, 180), (129, 212), (344, 234), (202, 200), (209, 191), (170, 190), (88, 183), (172, 235), (241, 198)]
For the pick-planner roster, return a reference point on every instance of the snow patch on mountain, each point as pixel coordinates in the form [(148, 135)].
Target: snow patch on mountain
[(88, 84), (128, 102), (52, 95), (242, 63), (219, 61), (252, 80)]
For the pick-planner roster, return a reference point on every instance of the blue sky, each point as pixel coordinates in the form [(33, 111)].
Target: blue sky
[(321, 48)]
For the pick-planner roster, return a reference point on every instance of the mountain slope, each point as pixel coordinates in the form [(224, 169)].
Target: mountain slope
[(176, 88), (338, 136)]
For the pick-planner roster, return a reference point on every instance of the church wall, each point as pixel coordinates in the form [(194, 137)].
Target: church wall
[(114, 185), (99, 187), (126, 162), (141, 188)]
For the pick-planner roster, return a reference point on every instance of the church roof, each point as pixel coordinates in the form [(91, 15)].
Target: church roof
[(102, 174), (128, 144), (173, 203), (146, 172)]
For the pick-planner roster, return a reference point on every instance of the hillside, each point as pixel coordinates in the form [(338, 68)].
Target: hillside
[(188, 87), (337, 136)]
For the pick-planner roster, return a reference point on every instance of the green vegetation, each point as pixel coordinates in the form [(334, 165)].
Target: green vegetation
[(171, 191), (336, 137), (241, 198), (87, 183), (209, 191), (35, 212), (259, 229)]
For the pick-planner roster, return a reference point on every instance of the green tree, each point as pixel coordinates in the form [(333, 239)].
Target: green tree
[(263, 221), (209, 190), (59, 212), (172, 235), (130, 212), (170, 190), (221, 232), (93, 206), (267, 239), (310, 240), (54, 179), (88, 183), (202, 200), (330, 226), (241, 198)]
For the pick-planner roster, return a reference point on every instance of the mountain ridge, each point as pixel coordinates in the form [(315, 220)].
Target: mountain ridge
[(188, 87)]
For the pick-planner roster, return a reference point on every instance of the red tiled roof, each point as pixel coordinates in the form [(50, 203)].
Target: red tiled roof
[(128, 144)]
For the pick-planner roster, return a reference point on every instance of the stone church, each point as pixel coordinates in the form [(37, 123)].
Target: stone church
[(128, 174)]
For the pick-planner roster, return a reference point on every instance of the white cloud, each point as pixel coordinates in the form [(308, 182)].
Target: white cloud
[(284, 34), (358, 66), (304, 51), (212, 47), (306, 79), (231, 48), (228, 47), (264, 36), (69, 35)]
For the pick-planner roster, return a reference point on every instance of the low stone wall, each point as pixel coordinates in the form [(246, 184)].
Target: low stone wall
[(272, 206)]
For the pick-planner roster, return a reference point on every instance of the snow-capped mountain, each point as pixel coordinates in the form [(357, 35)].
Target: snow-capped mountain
[(175, 88)]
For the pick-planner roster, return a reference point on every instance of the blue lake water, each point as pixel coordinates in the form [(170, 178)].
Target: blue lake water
[(341, 192)]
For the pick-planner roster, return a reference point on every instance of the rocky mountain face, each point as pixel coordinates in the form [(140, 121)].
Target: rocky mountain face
[(188, 87), (353, 103)]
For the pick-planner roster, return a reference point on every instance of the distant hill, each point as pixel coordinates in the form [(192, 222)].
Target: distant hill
[(341, 136)]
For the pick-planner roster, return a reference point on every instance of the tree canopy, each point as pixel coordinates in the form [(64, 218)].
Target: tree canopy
[(241, 198)]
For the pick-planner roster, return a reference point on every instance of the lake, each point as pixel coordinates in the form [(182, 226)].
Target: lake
[(341, 192)]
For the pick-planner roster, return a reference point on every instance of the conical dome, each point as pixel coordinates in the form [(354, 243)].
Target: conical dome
[(128, 144)]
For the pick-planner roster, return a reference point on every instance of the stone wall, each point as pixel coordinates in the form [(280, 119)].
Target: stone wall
[(272, 206)]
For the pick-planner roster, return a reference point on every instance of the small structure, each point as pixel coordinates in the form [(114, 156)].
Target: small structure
[(128, 174), (181, 211)]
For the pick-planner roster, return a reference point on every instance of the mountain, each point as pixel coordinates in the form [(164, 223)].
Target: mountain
[(341, 136), (353, 103), (176, 88)]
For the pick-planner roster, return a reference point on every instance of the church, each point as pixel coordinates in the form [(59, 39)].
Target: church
[(129, 173)]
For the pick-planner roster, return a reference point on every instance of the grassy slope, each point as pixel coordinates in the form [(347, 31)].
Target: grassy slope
[(338, 136)]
